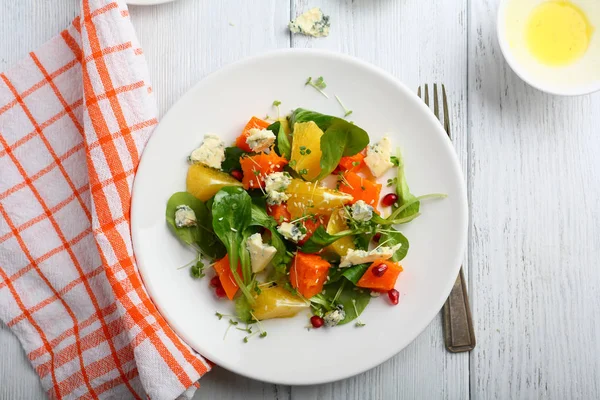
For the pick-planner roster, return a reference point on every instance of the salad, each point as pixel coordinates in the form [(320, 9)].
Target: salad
[(290, 219)]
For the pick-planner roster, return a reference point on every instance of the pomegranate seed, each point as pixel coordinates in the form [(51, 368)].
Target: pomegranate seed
[(379, 270), (377, 237), (220, 292), (316, 321), (215, 281), (237, 174), (389, 199), (394, 296)]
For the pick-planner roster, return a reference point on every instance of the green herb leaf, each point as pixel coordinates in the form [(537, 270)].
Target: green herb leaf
[(202, 235), (243, 309), (363, 240), (232, 214), (283, 146), (232, 159), (392, 237), (355, 272), (395, 218), (320, 238), (348, 293), (340, 138), (403, 192)]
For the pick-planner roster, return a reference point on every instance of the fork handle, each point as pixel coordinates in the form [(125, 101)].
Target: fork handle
[(458, 324)]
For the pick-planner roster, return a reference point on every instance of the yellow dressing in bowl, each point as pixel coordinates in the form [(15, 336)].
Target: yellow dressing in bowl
[(558, 33)]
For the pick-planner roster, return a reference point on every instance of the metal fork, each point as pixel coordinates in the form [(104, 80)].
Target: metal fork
[(459, 334)]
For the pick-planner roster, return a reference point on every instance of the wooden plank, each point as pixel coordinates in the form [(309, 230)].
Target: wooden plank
[(27, 24), (419, 42), (186, 40), (535, 183), (18, 380)]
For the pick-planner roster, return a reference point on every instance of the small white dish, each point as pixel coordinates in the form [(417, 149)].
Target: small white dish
[(579, 78), (222, 103)]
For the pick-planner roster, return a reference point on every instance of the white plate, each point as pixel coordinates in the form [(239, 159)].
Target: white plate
[(222, 103)]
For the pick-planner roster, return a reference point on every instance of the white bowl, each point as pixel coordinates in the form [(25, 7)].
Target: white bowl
[(527, 73), (222, 103)]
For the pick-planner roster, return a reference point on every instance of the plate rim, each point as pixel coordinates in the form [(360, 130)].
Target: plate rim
[(454, 265)]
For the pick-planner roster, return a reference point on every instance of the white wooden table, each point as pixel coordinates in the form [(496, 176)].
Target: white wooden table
[(532, 162)]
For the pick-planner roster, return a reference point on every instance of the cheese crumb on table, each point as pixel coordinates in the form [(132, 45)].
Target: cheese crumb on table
[(311, 23)]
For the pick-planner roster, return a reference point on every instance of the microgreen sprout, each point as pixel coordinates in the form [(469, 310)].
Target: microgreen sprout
[(318, 84), (263, 333), (246, 329), (231, 323), (347, 112), (343, 179), (359, 323), (338, 293), (197, 270), (276, 104)]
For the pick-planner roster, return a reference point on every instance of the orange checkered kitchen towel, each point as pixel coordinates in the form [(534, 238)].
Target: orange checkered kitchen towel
[(74, 118)]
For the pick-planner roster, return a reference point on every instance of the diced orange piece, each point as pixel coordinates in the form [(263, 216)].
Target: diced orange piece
[(257, 167), (253, 123), (360, 188), (226, 276), (352, 163), (308, 274), (279, 212), (381, 283)]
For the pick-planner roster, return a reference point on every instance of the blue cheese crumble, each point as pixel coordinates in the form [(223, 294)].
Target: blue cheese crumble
[(311, 23), (335, 316), (260, 254), (211, 153), (291, 232), (260, 139), (355, 257), (361, 211), (184, 216), (378, 157), (275, 187)]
